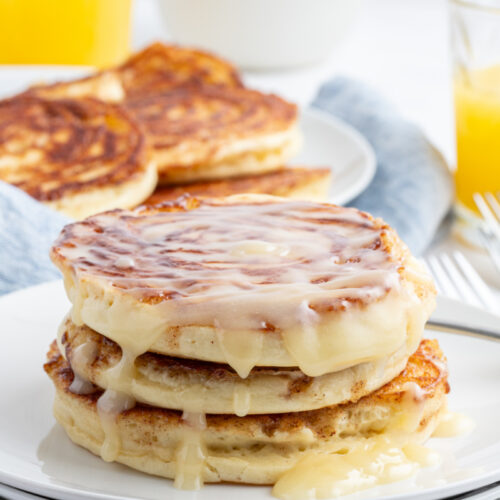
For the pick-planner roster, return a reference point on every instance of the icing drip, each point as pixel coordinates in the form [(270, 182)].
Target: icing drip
[(190, 453), (83, 356), (109, 407)]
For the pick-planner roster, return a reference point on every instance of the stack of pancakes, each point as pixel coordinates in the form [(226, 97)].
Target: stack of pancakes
[(167, 116), (246, 339)]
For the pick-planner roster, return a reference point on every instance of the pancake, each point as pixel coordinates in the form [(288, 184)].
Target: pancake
[(105, 86), (77, 156), (200, 133), (160, 67), (203, 387), (157, 68), (290, 182), (247, 280), (260, 448)]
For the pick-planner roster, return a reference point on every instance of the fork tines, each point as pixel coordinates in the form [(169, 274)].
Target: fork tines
[(457, 279)]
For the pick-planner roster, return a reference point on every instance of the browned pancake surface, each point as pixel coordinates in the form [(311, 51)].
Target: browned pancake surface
[(159, 67), (203, 119), (52, 148)]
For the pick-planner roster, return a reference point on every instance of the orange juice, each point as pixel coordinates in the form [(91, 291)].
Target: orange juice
[(88, 32), (477, 110)]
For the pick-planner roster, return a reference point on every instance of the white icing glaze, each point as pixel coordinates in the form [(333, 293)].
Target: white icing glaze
[(412, 407), (81, 385), (82, 356), (242, 352), (109, 407), (263, 260), (116, 399), (241, 400), (124, 262), (361, 464)]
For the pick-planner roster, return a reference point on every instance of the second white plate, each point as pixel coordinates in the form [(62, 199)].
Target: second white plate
[(330, 142)]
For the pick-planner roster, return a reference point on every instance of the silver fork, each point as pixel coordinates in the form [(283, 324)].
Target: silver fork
[(489, 231), (457, 279)]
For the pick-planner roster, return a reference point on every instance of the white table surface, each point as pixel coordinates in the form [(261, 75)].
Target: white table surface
[(401, 48)]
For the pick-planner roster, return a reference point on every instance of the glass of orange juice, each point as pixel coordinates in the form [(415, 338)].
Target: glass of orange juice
[(81, 32), (475, 31)]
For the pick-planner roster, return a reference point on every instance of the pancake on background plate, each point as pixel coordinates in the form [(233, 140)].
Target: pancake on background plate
[(200, 132), (78, 156), (290, 182), (156, 68), (250, 339)]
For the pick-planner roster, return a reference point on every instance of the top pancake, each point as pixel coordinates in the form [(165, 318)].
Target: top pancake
[(248, 280), (78, 156), (157, 68)]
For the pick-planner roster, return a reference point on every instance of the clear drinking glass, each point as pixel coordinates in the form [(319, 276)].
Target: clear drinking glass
[(475, 32)]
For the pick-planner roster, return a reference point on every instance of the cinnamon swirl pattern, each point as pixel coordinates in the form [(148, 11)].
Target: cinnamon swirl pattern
[(182, 109), (78, 156)]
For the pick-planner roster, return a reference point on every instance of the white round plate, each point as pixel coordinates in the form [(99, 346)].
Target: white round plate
[(10, 493), (328, 142), (36, 455)]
